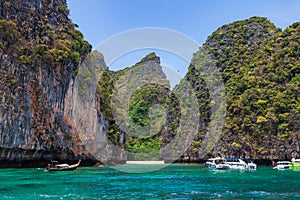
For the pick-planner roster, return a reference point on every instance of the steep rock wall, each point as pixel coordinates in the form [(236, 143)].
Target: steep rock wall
[(39, 59), (259, 65)]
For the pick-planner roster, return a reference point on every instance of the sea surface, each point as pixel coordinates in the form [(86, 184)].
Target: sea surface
[(172, 182)]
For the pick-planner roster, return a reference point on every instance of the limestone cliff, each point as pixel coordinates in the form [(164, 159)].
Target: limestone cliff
[(40, 53), (134, 102), (259, 65), (57, 101)]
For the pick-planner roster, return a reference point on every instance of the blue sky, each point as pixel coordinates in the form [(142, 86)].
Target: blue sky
[(99, 20)]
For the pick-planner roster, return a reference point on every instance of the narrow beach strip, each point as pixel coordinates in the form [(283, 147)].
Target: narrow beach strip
[(138, 162)]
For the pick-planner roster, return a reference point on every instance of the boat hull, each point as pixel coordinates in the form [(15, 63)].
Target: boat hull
[(62, 169), (218, 167), (217, 164), (239, 164)]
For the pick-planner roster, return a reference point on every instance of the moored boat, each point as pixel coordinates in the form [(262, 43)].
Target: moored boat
[(282, 165), (236, 163), (251, 165), (240, 164), (55, 166), (295, 164), (217, 163)]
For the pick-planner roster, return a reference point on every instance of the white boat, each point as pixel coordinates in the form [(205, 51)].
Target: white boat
[(237, 163), (251, 166), (282, 165), (217, 163)]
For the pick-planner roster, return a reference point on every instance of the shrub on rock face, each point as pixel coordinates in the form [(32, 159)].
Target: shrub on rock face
[(9, 34)]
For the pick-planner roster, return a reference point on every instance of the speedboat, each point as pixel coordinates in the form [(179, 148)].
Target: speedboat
[(240, 164), (217, 163), (55, 166), (295, 164), (236, 163), (281, 165)]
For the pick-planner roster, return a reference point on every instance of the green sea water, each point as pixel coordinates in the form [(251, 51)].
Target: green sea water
[(172, 182)]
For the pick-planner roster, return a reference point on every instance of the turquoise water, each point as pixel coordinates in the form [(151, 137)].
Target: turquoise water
[(172, 182)]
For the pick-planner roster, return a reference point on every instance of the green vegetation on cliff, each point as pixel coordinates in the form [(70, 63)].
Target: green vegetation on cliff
[(132, 91), (260, 68), (51, 41), (40, 53)]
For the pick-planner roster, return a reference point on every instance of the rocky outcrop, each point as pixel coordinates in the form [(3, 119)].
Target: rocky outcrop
[(128, 97), (50, 108), (39, 59), (260, 70)]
